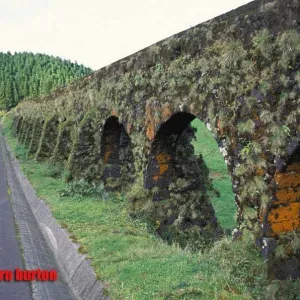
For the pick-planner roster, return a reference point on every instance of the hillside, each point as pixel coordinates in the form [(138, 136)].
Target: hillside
[(224, 204), (27, 75)]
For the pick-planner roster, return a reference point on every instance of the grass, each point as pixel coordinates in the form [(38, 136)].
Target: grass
[(131, 261), (224, 205)]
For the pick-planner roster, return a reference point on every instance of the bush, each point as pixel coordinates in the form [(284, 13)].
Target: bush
[(263, 44), (289, 44), (83, 188), (21, 152), (233, 54)]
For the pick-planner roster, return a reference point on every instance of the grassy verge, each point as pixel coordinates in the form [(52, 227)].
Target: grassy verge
[(131, 261), (224, 205)]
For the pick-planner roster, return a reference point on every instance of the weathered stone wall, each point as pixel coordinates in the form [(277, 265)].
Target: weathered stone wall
[(239, 73), (48, 138), (116, 156), (63, 145), (82, 159), (36, 134), (24, 128), (28, 134)]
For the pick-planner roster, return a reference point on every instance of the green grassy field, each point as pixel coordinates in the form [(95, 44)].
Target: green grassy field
[(132, 262), (224, 205)]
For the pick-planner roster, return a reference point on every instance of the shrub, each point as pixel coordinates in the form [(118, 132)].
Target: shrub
[(83, 188), (289, 45), (233, 54), (263, 44)]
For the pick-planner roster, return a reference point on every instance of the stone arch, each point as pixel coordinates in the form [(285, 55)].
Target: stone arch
[(24, 129), (19, 128), (116, 156), (16, 124), (64, 142), (84, 151), (178, 181), (28, 133), (48, 138), (34, 139)]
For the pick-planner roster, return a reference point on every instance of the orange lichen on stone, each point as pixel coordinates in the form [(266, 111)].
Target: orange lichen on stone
[(106, 156), (285, 214), (286, 180), (163, 168), (150, 131), (294, 167), (114, 113), (155, 177), (260, 172), (285, 218), (129, 128), (162, 160), (166, 113), (287, 195), (150, 123)]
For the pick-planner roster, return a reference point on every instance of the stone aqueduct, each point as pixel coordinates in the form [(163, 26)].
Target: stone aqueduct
[(128, 125)]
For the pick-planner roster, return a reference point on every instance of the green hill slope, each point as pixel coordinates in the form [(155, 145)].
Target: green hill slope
[(206, 145), (27, 75)]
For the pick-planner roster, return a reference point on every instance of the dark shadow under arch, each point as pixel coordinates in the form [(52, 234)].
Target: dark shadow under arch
[(116, 154), (163, 166)]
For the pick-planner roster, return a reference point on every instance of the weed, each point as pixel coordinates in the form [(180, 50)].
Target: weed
[(263, 44), (247, 150), (83, 188), (233, 54), (246, 127), (289, 45)]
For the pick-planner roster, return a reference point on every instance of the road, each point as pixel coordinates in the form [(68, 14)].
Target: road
[(10, 249)]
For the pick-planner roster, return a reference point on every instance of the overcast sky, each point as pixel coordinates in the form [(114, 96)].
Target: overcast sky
[(97, 32)]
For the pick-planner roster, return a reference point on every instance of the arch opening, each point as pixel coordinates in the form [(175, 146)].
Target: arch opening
[(219, 181), (170, 150), (182, 188), (116, 155)]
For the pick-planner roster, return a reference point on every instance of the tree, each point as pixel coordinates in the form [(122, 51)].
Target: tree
[(26, 75)]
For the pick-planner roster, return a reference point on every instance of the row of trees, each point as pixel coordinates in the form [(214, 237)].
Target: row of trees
[(26, 75)]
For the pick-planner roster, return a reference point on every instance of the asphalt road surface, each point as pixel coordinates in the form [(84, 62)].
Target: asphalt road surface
[(10, 250)]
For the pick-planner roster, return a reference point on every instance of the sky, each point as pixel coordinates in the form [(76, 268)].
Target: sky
[(98, 32)]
